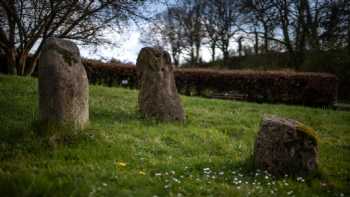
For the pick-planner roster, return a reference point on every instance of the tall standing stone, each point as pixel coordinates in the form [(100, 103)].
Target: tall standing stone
[(158, 97), (63, 84), (285, 146)]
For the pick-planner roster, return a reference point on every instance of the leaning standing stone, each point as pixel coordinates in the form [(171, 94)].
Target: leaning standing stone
[(63, 84), (285, 146), (158, 97)]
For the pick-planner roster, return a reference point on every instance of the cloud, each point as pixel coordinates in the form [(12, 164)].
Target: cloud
[(125, 46)]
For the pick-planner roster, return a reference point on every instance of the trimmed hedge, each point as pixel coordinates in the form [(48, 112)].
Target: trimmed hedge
[(111, 74), (265, 86), (313, 89)]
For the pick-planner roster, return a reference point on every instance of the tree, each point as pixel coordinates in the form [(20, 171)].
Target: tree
[(165, 31), (212, 37), (304, 25), (180, 29), (174, 33), (223, 22), (261, 15), (190, 17), (26, 24), (335, 24)]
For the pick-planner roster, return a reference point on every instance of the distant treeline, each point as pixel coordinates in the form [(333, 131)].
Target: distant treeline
[(254, 26)]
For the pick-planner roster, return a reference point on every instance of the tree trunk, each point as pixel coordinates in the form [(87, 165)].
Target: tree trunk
[(287, 39), (300, 35), (175, 58), (212, 47), (256, 45), (22, 62), (283, 14), (31, 66), (240, 46), (173, 55), (11, 51), (224, 45), (312, 27), (197, 54), (349, 30), (11, 61), (225, 53), (192, 55), (266, 39)]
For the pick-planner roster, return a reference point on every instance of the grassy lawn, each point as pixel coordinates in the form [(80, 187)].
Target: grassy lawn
[(120, 154)]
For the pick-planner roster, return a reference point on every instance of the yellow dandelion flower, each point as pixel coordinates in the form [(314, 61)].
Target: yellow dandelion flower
[(120, 164), (142, 172)]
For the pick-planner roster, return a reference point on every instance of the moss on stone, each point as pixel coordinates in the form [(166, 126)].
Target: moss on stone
[(310, 132), (67, 56)]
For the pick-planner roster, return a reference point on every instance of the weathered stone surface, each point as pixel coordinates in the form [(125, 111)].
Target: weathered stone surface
[(158, 97), (63, 84), (285, 146)]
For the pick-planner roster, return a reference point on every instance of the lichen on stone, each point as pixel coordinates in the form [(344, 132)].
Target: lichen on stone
[(310, 132), (67, 56)]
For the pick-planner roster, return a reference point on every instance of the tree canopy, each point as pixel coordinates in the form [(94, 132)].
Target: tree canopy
[(293, 26), (26, 24)]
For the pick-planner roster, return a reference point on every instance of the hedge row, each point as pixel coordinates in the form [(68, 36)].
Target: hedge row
[(275, 87), (315, 89), (111, 74)]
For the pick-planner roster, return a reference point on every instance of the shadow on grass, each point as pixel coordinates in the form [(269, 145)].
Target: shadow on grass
[(61, 134), (110, 117), (130, 117), (38, 138)]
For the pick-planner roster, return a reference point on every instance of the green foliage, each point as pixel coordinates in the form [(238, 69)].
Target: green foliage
[(121, 154)]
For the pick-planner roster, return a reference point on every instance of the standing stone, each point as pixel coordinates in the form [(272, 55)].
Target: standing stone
[(285, 146), (158, 97), (63, 84)]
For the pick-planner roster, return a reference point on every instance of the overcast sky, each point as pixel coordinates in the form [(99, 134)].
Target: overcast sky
[(126, 45), (125, 48)]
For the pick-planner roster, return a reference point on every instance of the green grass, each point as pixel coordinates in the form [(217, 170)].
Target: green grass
[(209, 155)]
